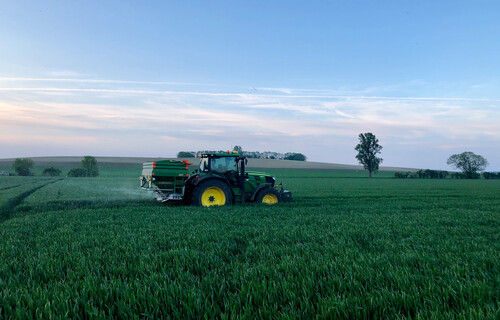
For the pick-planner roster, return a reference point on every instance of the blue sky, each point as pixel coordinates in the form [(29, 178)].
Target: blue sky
[(151, 78)]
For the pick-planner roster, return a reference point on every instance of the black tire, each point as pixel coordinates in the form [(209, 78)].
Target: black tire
[(212, 192), (269, 196)]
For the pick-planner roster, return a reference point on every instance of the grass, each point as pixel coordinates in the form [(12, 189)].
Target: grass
[(346, 247)]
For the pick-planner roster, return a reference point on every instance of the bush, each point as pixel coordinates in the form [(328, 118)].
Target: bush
[(401, 175), (459, 175), (23, 166), (491, 175), (442, 174), (422, 174), (77, 172), (472, 175), (296, 156), (456, 175), (51, 172)]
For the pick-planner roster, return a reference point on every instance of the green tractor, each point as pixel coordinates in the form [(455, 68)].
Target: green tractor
[(220, 180)]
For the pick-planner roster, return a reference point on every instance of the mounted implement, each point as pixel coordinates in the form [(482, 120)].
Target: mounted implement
[(220, 180)]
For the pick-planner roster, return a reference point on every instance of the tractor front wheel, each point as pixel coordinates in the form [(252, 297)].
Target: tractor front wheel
[(268, 196), (212, 193)]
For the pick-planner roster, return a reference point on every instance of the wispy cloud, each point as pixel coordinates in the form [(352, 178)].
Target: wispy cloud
[(64, 73), (62, 77), (242, 94)]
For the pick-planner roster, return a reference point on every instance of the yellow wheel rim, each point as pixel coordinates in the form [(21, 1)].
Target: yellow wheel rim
[(270, 199), (213, 196)]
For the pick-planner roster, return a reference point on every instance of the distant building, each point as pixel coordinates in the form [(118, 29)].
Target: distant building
[(4, 173)]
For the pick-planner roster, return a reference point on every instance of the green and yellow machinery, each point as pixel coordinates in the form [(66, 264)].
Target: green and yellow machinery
[(220, 180)]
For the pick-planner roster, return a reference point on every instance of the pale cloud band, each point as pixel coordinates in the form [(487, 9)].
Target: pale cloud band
[(111, 119), (196, 93)]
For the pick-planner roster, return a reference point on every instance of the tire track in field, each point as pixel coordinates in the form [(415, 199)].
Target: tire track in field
[(9, 207), (9, 187)]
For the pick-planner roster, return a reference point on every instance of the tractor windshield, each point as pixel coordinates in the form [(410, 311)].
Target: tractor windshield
[(223, 164)]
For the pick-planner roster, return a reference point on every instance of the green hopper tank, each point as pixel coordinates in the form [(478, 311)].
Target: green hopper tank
[(165, 177)]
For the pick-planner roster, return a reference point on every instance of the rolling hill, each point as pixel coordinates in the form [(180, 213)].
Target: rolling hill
[(74, 161)]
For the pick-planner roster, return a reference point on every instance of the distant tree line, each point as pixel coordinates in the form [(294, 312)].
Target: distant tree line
[(248, 154), (476, 175), (23, 166), (89, 168), (422, 174), (491, 175), (186, 154), (295, 156), (440, 174), (461, 175)]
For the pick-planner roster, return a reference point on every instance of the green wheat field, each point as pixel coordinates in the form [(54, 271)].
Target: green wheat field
[(347, 247)]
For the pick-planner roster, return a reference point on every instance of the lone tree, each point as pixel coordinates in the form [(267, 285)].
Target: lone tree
[(22, 166), (469, 162), (367, 149), (89, 164)]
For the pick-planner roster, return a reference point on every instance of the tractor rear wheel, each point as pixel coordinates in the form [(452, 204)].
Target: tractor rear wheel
[(212, 193), (268, 196)]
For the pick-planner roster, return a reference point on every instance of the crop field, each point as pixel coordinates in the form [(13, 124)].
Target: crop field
[(347, 247)]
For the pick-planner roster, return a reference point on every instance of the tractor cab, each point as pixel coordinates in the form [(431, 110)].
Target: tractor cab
[(229, 166), (213, 163)]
